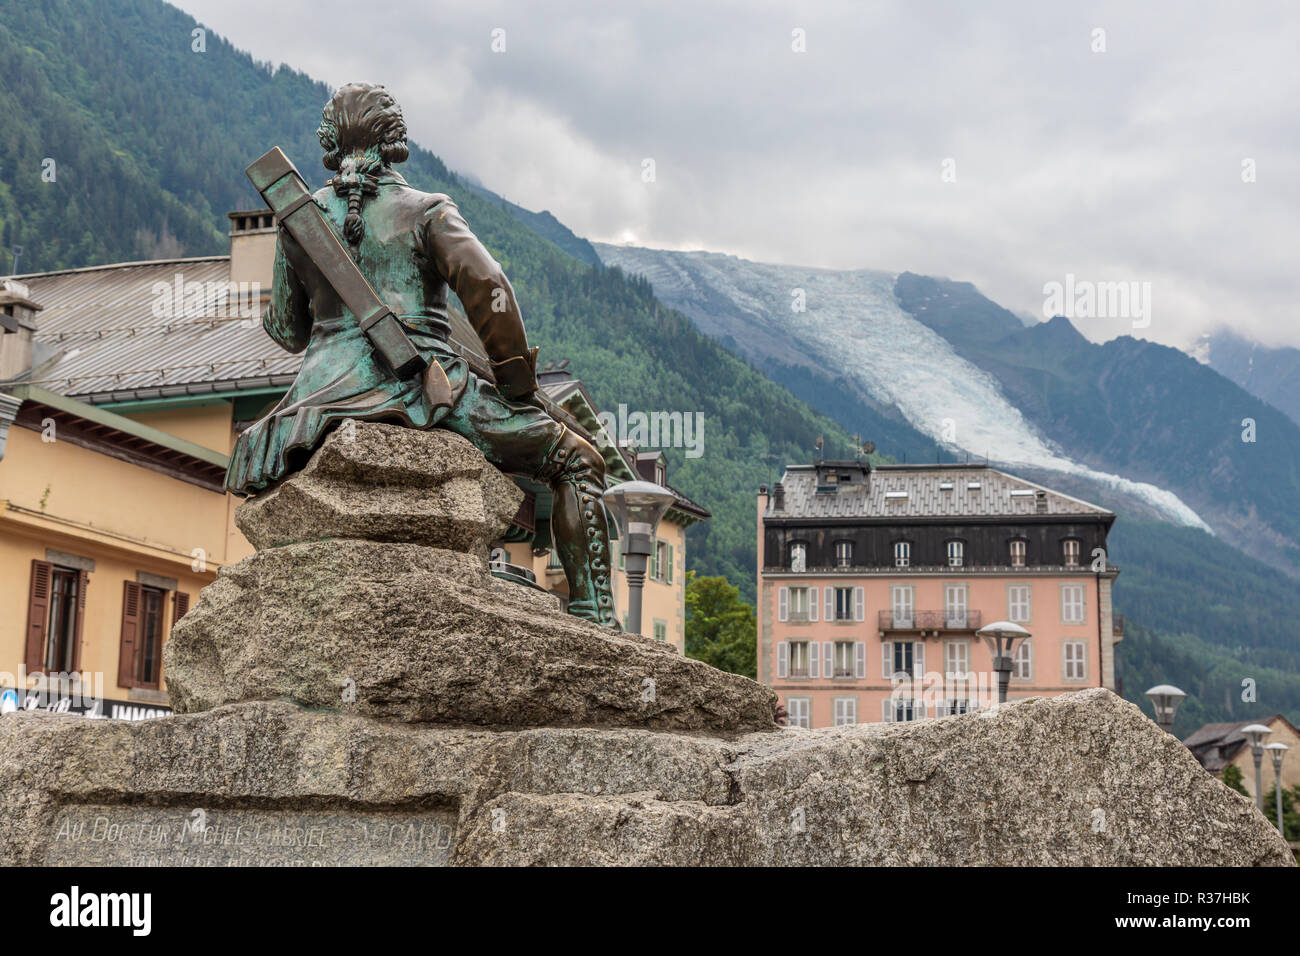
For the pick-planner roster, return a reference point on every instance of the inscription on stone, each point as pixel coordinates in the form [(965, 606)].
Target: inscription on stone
[(97, 835)]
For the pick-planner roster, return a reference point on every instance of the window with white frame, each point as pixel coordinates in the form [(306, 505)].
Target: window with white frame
[(1023, 661), (1018, 606), (799, 712), (661, 564), (661, 630), (843, 554), (902, 554), (903, 604), (844, 604), (956, 554), (798, 557), (846, 711), (798, 604), (799, 658), (1072, 603), (955, 603), (956, 659), (1070, 549), (1018, 551), (845, 659), (1075, 662)]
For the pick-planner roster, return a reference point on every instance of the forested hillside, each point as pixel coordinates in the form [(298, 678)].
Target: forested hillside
[(150, 141)]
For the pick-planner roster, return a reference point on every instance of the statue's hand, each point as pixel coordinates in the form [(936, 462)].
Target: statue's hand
[(516, 376)]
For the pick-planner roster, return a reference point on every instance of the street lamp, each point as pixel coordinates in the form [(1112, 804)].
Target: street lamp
[(1001, 635), (1256, 733), (1165, 699), (637, 507), (1278, 751)]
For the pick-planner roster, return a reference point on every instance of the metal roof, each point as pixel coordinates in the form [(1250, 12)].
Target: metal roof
[(916, 491), (103, 337)]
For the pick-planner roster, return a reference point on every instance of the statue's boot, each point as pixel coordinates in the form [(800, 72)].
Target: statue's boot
[(579, 530)]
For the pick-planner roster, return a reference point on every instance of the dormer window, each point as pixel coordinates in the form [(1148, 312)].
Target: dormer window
[(956, 554), (843, 554), (661, 473), (1070, 549), (1018, 553), (798, 556), (902, 554)]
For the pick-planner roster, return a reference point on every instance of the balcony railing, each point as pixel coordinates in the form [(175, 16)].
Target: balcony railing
[(1117, 625), (930, 621)]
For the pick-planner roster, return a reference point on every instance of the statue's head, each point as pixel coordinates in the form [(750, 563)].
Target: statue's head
[(362, 118)]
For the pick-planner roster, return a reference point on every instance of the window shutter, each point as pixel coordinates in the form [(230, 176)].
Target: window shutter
[(130, 634), (830, 604), (654, 562), (918, 660), (859, 604), (918, 707), (670, 564), (38, 614), (783, 657), (813, 667), (782, 604), (83, 582), (813, 598), (828, 660), (887, 659), (859, 660), (180, 606), (887, 710)]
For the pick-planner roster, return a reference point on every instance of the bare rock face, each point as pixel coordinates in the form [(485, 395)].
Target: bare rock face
[(362, 691), (361, 608), (412, 633), (1083, 779)]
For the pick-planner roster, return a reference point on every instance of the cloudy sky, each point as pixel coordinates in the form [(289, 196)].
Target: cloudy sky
[(1107, 141)]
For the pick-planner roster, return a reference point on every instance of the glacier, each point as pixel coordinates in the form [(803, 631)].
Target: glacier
[(851, 323)]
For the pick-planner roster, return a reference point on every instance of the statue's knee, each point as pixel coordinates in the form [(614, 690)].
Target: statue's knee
[(580, 460)]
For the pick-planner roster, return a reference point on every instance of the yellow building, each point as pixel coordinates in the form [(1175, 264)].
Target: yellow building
[(1216, 746), (122, 390)]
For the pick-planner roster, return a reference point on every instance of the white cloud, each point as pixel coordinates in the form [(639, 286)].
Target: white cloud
[(1123, 165)]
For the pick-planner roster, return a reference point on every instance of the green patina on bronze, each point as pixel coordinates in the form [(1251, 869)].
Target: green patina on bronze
[(413, 247)]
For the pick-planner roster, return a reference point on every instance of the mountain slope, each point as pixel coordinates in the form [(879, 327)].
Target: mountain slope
[(1272, 375), (851, 324), (1141, 409)]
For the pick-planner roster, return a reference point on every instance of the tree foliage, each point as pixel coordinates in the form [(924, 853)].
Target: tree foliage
[(720, 627)]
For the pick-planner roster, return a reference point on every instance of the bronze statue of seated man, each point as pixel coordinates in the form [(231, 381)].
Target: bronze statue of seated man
[(412, 246)]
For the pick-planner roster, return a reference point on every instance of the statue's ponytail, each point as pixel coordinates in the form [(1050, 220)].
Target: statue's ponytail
[(361, 131)]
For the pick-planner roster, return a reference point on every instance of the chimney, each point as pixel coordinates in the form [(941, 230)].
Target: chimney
[(17, 328), (778, 497), (252, 248), (1040, 502)]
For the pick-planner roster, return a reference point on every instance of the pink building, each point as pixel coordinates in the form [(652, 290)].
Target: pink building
[(873, 581)]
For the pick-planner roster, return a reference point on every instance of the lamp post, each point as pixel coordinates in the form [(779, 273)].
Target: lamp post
[(1256, 733), (1001, 635), (1165, 699), (637, 507), (1278, 751)]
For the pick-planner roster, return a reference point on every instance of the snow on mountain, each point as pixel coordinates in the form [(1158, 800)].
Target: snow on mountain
[(851, 323)]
